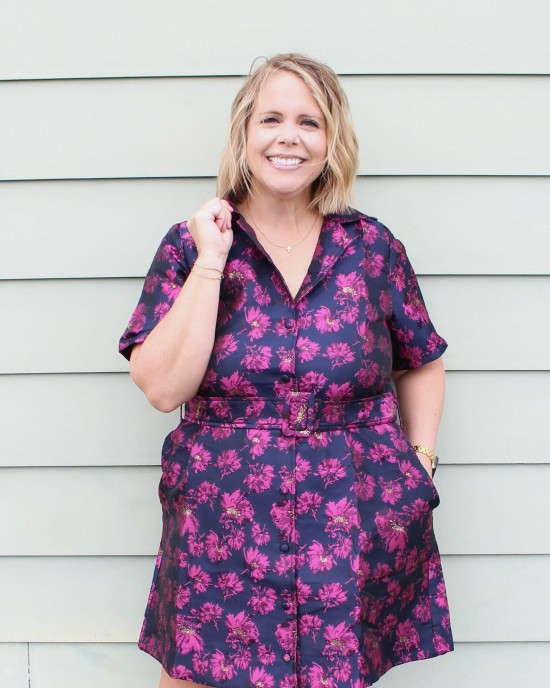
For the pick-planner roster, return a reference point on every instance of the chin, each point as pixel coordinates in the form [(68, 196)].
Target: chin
[(289, 190)]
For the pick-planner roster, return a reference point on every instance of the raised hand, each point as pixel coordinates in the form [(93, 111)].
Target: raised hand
[(211, 230)]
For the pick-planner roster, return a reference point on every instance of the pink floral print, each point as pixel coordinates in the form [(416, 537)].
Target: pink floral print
[(298, 548)]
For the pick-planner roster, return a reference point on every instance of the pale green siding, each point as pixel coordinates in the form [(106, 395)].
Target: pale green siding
[(114, 510), (413, 125), (204, 37), (91, 599), (100, 420), (451, 104), (73, 325), (485, 664), (14, 671), (450, 225)]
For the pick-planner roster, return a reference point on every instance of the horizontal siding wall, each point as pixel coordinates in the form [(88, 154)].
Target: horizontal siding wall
[(101, 599), (414, 125), (450, 102), (54, 665), (101, 420), (128, 38), (14, 665), (111, 228), (111, 511), (493, 323)]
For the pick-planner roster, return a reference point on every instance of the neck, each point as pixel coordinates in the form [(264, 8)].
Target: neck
[(288, 215), (283, 231)]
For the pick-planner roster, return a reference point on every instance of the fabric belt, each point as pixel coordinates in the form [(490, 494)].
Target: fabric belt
[(296, 413)]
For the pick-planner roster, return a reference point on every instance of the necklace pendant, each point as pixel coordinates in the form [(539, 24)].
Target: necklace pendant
[(289, 248)]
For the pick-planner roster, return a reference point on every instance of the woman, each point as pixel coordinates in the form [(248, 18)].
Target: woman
[(297, 544)]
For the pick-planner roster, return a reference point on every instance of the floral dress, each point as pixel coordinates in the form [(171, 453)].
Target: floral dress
[(297, 545)]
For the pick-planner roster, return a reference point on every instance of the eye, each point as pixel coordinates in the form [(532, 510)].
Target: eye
[(269, 120), (311, 123)]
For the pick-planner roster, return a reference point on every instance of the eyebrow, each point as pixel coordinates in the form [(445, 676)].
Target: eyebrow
[(276, 112)]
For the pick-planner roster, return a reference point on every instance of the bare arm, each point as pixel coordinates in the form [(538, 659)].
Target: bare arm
[(170, 364), (421, 393)]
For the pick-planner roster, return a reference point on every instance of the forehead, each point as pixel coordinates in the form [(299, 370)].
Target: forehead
[(284, 88)]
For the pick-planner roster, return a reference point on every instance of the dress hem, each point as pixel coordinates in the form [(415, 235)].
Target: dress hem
[(429, 655)]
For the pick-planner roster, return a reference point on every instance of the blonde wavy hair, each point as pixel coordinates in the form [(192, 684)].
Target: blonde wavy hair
[(332, 190)]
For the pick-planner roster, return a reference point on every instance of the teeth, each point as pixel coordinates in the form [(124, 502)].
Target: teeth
[(287, 162)]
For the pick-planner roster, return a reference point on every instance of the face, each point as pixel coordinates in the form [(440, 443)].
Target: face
[(286, 144)]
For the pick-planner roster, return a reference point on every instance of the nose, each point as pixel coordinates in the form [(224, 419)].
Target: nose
[(289, 134)]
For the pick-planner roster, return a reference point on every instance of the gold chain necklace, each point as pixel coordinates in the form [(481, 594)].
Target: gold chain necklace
[(288, 247)]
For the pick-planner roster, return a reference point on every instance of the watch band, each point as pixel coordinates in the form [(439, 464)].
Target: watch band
[(421, 449)]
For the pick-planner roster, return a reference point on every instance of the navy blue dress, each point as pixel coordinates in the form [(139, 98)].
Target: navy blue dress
[(297, 545)]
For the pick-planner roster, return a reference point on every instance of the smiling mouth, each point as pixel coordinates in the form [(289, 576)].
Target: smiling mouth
[(285, 162)]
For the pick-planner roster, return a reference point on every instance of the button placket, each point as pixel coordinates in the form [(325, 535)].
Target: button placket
[(296, 418)]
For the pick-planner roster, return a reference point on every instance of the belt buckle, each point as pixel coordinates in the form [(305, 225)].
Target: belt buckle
[(298, 414)]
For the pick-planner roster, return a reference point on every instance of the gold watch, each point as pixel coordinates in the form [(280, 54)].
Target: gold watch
[(421, 449)]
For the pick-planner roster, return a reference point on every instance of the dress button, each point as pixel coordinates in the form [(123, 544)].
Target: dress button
[(285, 378), (286, 605), (286, 657), (289, 323), (285, 547)]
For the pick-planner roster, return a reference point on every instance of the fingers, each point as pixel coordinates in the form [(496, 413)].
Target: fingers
[(210, 226), (220, 211), (223, 218), (227, 205), (216, 210)]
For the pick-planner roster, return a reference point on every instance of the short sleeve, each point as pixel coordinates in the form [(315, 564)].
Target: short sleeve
[(414, 339), (163, 283)]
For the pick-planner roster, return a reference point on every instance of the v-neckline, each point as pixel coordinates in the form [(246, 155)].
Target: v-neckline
[(315, 256), (320, 264)]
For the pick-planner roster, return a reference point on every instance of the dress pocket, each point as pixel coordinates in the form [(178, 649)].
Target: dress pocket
[(426, 479), (434, 501), (419, 463), (175, 458)]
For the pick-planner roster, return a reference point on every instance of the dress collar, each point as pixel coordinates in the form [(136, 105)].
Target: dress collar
[(339, 230), (351, 215)]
